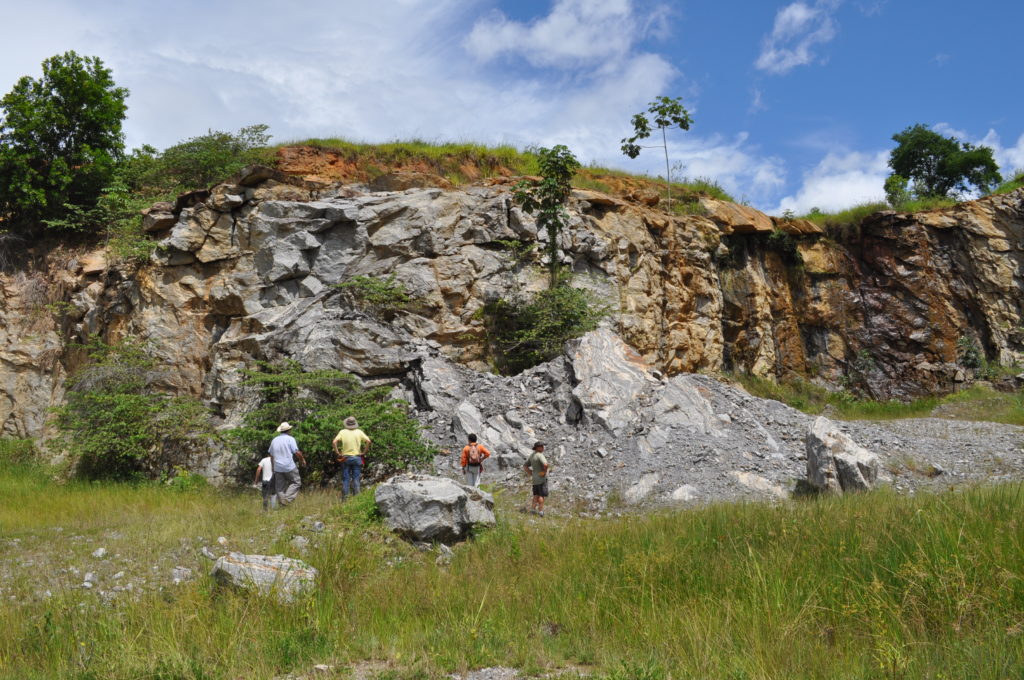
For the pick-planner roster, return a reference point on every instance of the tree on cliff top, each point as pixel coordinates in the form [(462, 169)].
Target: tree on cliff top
[(60, 138), (547, 198), (667, 112), (938, 165)]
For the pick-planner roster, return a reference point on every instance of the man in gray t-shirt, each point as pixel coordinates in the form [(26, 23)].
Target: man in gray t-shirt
[(283, 450), (537, 467)]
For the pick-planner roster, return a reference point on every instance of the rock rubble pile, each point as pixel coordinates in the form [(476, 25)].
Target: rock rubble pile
[(619, 433)]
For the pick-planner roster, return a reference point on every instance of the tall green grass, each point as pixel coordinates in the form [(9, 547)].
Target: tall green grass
[(872, 586), (844, 225), (445, 158), (449, 158), (1012, 184), (978, 403)]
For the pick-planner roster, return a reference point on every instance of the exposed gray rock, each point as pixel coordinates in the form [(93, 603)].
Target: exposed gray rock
[(284, 577), (427, 508), (180, 574), (610, 377), (835, 463), (642, 488)]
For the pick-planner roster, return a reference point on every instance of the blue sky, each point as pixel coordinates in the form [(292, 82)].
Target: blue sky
[(794, 103)]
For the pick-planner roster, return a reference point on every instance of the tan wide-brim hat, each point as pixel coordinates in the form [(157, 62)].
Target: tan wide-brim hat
[(284, 427), (351, 423)]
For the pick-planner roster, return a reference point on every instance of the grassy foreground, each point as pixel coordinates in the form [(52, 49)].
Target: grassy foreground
[(874, 586)]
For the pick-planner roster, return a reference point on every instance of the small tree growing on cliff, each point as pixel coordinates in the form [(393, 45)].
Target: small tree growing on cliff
[(667, 112), (548, 197)]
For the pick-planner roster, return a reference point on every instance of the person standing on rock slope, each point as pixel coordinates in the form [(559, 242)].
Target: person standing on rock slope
[(354, 445), (537, 466), (284, 449), (472, 461)]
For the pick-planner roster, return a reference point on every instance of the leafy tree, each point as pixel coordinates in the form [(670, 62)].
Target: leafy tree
[(317, 403), (548, 197), (896, 192), (60, 138), (667, 112), (522, 333), (201, 161), (941, 166), (118, 423)]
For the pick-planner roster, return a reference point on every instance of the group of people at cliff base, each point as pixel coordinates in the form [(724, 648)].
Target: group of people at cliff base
[(278, 472), (472, 463)]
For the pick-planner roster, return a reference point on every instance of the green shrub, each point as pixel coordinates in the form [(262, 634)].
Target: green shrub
[(785, 245), (202, 161), (524, 332), (968, 352), (115, 422), (316, 403), (376, 294), (185, 481)]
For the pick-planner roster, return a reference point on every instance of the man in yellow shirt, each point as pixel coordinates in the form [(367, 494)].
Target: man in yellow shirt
[(354, 445)]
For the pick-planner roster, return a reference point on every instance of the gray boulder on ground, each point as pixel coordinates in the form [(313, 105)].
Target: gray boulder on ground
[(267, 574), (427, 508), (836, 463)]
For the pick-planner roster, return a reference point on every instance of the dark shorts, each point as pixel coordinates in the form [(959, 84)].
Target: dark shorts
[(541, 489)]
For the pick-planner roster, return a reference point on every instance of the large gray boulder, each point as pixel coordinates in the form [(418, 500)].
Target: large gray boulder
[(836, 463), (610, 377), (427, 508), (276, 575)]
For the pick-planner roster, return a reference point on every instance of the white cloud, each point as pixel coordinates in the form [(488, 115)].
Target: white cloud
[(575, 32), (368, 72), (799, 27), (841, 180), (757, 102), (1008, 158)]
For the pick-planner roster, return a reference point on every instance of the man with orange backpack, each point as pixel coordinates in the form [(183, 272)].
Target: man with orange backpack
[(472, 461)]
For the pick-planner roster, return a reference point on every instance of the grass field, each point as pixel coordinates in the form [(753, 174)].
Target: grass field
[(872, 586)]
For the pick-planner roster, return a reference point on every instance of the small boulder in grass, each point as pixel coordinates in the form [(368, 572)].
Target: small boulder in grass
[(428, 508), (278, 575), (836, 463)]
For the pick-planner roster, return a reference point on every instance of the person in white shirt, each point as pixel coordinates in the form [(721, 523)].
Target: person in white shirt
[(265, 478), (284, 449)]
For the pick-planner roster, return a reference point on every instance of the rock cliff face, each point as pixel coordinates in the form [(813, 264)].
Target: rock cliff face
[(248, 270)]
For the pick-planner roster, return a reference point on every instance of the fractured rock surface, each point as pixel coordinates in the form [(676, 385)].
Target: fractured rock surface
[(248, 270), (281, 576), (427, 508)]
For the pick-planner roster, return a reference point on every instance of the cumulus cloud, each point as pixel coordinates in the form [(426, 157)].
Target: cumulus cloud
[(798, 29), (1008, 158), (575, 32), (367, 72), (841, 180)]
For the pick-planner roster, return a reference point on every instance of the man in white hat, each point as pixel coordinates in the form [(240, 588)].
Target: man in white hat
[(283, 450)]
